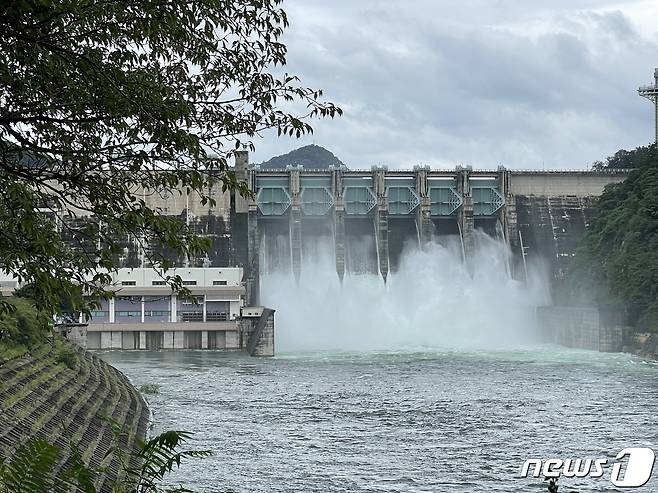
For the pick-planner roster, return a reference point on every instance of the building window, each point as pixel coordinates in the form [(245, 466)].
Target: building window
[(219, 283), (192, 300), (192, 316), (158, 283), (156, 313), (129, 314), (216, 316), (189, 283), (99, 313), (132, 299), (129, 283)]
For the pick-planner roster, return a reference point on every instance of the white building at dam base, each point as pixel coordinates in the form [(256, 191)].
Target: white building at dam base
[(145, 314)]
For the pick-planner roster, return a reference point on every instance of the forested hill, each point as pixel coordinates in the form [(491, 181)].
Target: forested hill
[(642, 157), (617, 263), (311, 157)]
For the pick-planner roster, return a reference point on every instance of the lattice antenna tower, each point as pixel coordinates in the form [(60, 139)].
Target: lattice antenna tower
[(651, 93)]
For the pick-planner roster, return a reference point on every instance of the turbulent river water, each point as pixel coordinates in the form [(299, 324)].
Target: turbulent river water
[(433, 382), (398, 421)]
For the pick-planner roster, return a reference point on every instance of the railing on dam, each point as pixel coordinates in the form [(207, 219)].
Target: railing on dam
[(409, 171), (319, 192)]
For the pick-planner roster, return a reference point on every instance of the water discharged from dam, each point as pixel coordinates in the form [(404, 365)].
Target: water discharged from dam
[(433, 299), (429, 383)]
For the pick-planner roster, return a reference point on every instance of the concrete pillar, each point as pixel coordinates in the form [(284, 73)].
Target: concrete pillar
[(241, 164), (232, 341), (179, 339), (252, 267), (424, 221), (339, 221), (111, 310), (205, 296), (117, 339), (143, 311), (142, 340), (510, 224), (106, 340), (204, 339), (234, 309), (265, 344), (465, 213), (381, 220), (296, 240), (173, 308), (339, 239), (507, 213), (294, 189), (249, 207), (167, 339), (655, 103), (424, 212)]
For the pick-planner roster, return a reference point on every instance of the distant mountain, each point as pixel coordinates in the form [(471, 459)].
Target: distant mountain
[(311, 157)]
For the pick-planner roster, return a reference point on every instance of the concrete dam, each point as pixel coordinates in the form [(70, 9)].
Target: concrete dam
[(370, 217), (363, 220)]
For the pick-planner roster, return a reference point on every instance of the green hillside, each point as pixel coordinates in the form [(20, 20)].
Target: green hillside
[(617, 262), (311, 157)]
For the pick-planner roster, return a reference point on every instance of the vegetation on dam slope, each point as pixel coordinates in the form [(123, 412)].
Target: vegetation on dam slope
[(617, 261)]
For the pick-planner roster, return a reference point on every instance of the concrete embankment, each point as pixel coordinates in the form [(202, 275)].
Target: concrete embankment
[(583, 328), (641, 343), (579, 327), (64, 401)]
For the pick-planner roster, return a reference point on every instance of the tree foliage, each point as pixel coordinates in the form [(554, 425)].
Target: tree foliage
[(29, 469), (642, 157), (144, 470), (102, 101), (23, 324), (617, 262)]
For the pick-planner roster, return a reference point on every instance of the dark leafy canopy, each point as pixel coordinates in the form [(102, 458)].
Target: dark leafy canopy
[(100, 99), (617, 263), (24, 326), (639, 158)]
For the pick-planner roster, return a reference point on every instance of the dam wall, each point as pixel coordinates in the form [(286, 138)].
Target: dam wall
[(563, 183), (41, 397), (550, 227), (371, 216)]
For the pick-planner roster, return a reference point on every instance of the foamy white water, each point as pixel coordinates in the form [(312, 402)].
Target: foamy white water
[(433, 301), (460, 415)]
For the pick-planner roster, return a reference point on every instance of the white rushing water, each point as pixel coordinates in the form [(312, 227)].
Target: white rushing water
[(426, 384), (432, 301)]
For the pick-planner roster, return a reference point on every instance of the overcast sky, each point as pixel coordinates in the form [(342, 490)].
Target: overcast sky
[(519, 83)]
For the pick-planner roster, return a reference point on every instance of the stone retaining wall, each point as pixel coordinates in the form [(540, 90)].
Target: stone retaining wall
[(41, 398), (579, 327)]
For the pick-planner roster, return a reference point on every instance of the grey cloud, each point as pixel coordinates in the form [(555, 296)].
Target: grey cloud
[(431, 85)]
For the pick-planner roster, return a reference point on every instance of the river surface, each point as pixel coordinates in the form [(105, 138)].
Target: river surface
[(406, 421)]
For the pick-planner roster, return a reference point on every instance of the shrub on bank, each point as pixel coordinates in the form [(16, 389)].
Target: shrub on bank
[(150, 389), (22, 325), (66, 355)]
